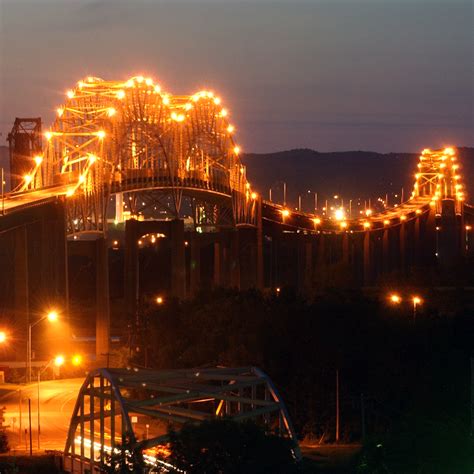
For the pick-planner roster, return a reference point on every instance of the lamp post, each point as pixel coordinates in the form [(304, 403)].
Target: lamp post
[(52, 316), (58, 361), (416, 302)]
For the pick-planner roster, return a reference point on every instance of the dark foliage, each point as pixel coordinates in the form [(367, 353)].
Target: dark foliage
[(414, 377), (227, 447)]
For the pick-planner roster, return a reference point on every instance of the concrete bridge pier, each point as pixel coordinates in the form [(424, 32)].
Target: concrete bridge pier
[(102, 333), (194, 266), (178, 270), (367, 258), (449, 249), (20, 285)]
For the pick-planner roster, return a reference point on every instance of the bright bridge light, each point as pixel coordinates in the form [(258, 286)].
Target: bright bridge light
[(339, 214)]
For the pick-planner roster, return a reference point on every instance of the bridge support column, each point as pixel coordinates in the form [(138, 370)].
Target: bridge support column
[(195, 264), (217, 262), (178, 270), (386, 261), (234, 260), (247, 257), (119, 207), (449, 248), (308, 265), (345, 248), (402, 247), (102, 341), (21, 293), (367, 259), (417, 243), (131, 267)]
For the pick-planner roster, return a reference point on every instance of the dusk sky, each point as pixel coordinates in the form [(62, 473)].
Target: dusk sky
[(382, 75)]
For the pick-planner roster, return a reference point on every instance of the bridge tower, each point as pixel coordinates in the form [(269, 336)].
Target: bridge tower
[(25, 141)]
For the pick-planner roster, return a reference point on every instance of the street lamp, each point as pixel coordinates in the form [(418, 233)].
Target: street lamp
[(395, 299), (58, 361), (416, 302), (52, 316), (3, 337), (159, 300)]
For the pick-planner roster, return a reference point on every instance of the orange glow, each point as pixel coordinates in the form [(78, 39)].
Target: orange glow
[(417, 300), (52, 316), (316, 220), (59, 360), (3, 337), (285, 212), (76, 360), (159, 300), (367, 225), (253, 196), (236, 150), (395, 299)]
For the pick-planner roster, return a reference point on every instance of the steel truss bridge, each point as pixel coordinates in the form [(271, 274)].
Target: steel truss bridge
[(122, 416), (129, 153)]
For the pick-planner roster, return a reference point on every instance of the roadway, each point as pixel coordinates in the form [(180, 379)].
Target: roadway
[(57, 399)]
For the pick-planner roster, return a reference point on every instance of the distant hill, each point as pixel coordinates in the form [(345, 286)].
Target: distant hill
[(352, 174)]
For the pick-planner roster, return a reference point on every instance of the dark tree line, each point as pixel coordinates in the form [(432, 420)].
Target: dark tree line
[(412, 377)]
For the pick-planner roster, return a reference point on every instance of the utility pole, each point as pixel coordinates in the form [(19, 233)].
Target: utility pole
[(3, 192), (337, 405), (29, 418)]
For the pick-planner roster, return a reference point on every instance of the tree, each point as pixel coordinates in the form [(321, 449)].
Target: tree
[(227, 447)]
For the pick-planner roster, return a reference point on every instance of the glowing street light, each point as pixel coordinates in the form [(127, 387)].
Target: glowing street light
[(51, 316), (76, 360), (59, 360), (3, 337), (416, 302), (395, 299), (159, 300)]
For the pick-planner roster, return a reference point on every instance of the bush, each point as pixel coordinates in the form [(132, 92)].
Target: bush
[(227, 447)]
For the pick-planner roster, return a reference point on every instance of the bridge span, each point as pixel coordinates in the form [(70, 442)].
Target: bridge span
[(126, 164)]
